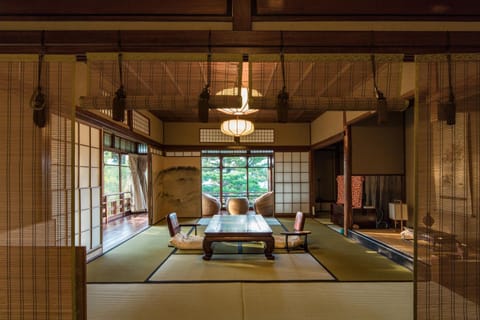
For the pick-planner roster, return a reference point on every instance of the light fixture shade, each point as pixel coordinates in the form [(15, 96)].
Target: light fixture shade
[(237, 127), (244, 108)]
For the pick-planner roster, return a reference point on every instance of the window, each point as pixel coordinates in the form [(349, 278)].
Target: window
[(142, 148), (117, 179), (140, 122), (237, 175), (111, 172)]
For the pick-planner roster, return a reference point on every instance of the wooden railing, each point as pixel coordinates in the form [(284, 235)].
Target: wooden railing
[(115, 205)]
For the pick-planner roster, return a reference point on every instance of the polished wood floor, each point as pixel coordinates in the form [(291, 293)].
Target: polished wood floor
[(392, 238), (118, 231)]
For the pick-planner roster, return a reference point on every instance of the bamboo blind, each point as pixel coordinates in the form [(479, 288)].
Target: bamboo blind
[(173, 82), (326, 81), (447, 236), (158, 81), (36, 250)]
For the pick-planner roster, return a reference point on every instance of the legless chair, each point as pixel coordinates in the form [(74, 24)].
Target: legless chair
[(264, 204), (295, 238), (210, 205), (181, 240), (237, 206)]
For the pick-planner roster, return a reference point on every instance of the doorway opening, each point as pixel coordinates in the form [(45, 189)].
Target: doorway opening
[(124, 196)]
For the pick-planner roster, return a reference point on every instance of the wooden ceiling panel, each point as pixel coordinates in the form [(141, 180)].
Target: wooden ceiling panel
[(387, 10), (114, 7)]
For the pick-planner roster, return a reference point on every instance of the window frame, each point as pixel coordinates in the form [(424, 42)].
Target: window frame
[(251, 195)]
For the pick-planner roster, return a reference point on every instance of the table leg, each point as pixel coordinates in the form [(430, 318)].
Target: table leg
[(269, 245), (207, 249)]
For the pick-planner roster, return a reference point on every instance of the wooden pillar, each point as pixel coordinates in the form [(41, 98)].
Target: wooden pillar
[(242, 15), (80, 283), (347, 176)]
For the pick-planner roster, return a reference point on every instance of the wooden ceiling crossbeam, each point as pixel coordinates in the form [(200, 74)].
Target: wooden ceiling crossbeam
[(246, 42)]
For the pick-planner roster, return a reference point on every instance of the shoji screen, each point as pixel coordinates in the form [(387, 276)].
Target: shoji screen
[(88, 231), (292, 188)]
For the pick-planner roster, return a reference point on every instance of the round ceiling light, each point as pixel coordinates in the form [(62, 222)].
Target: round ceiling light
[(237, 127)]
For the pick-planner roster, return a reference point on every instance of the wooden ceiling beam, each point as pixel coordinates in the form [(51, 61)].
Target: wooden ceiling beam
[(247, 42)]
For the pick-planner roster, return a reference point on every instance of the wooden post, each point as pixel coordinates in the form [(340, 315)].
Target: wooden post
[(122, 204), (242, 15), (114, 207), (347, 177), (80, 283), (104, 209)]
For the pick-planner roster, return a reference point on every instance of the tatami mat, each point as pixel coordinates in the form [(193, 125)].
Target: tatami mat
[(241, 267), (134, 260), (251, 301), (164, 301)]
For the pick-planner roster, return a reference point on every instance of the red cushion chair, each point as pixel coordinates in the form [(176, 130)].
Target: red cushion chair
[(296, 238)]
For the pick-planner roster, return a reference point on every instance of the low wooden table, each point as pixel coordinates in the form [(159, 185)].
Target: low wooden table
[(238, 228)]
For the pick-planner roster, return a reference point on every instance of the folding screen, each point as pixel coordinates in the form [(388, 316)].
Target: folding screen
[(447, 137)]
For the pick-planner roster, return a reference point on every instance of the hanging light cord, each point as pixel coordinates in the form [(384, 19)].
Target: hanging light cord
[(450, 86), (119, 101), (120, 69), (120, 93), (284, 94), (450, 108), (203, 99), (282, 98), (38, 99), (206, 89), (378, 94)]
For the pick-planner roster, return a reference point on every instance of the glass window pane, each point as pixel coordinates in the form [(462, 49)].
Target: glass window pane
[(142, 148), (258, 181), (117, 143), (126, 179), (107, 139), (211, 162), (110, 158), (211, 181), (258, 162), (235, 162), (234, 182), (124, 160), (111, 179)]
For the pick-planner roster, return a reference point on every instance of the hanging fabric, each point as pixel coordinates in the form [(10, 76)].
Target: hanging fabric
[(138, 168)]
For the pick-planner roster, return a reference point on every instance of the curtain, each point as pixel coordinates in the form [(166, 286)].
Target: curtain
[(138, 168), (447, 186), (380, 190)]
